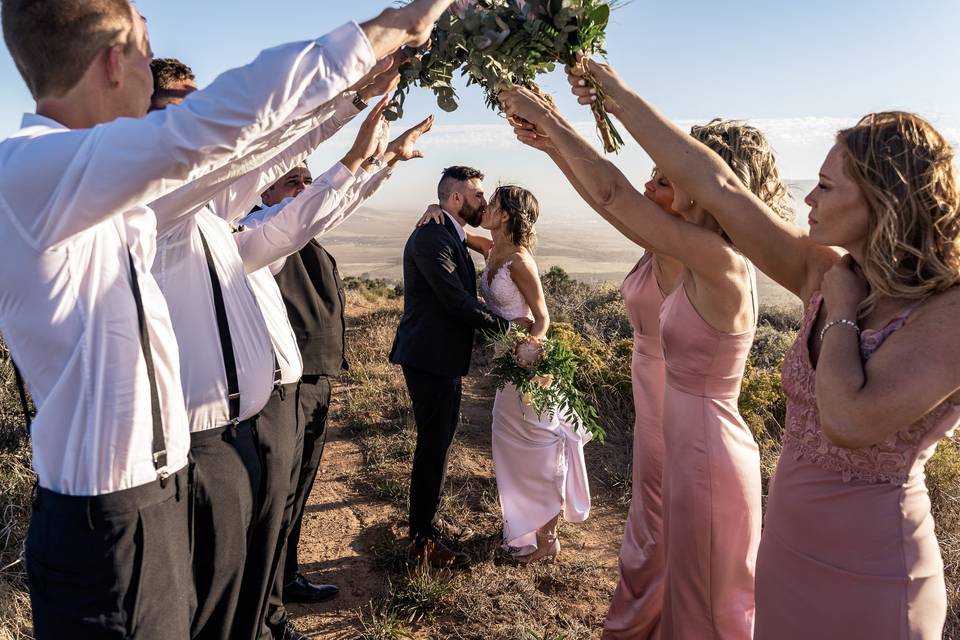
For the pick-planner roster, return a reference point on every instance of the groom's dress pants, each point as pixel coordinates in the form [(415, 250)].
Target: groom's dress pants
[(436, 409)]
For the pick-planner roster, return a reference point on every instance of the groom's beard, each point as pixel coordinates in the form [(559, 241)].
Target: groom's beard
[(471, 215)]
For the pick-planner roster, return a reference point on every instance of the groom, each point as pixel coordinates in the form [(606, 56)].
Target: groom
[(434, 340)]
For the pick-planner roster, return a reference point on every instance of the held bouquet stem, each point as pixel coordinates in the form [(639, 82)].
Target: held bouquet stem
[(499, 44)]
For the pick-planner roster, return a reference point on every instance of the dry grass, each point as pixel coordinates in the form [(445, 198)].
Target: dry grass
[(16, 490), (499, 600), (495, 599)]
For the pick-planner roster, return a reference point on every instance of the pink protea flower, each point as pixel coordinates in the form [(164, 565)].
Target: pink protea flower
[(528, 352)]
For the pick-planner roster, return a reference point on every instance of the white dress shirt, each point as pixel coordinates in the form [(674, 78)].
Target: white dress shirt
[(180, 269), (73, 204), (459, 226), (292, 223)]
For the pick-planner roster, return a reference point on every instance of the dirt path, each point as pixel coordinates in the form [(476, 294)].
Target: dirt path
[(342, 525)]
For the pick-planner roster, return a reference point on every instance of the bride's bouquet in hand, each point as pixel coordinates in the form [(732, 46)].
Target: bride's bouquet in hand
[(500, 44), (543, 371)]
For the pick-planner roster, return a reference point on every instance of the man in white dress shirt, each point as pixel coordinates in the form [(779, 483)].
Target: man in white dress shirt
[(227, 368), (108, 546), (281, 425), (228, 363)]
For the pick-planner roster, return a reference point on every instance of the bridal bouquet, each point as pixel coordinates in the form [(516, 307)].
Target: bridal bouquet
[(498, 44), (543, 372)]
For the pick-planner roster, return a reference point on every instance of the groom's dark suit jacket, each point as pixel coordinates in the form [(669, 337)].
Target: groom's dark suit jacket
[(440, 307)]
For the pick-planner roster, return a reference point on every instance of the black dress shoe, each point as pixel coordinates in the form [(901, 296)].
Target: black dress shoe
[(290, 633), (303, 591)]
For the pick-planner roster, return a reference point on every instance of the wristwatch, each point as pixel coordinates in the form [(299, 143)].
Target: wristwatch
[(359, 103)]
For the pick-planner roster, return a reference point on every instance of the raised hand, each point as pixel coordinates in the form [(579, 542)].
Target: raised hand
[(603, 75), (407, 25), (529, 135), (383, 79), (373, 132), (844, 288), (521, 103), (404, 147), (433, 214)]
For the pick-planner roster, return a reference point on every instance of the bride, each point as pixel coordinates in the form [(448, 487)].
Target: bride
[(538, 460)]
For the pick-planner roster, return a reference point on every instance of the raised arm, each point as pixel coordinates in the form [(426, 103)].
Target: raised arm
[(285, 228), (527, 134), (700, 249), (235, 199), (435, 257), (114, 167), (435, 215), (778, 248)]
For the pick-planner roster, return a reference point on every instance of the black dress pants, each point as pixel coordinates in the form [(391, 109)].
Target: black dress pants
[(112, 566), (280, 440), (436, 410), (227, 478), (314, 406)]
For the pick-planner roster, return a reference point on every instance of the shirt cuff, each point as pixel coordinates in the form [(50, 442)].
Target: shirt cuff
[(339, 177)]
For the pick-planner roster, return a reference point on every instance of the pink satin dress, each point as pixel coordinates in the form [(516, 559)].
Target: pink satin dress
[(848, 547), (711, 479), (635, 610)]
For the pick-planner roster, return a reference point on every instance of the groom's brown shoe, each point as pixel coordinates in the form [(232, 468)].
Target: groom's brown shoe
[(434, 554), (452, 531)]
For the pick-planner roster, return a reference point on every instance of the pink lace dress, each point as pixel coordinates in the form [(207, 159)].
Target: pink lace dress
[(635, 609), (848, 547)]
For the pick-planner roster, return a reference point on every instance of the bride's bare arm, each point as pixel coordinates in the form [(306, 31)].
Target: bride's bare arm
[(524, 273), (780, 249), (434, 214), (479, 244)]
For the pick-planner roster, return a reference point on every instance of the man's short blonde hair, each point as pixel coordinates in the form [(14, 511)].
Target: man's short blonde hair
[(54, 42)]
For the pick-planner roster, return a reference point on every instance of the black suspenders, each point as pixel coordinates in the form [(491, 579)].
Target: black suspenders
[(22, 391), (159, 446), (226, 341)]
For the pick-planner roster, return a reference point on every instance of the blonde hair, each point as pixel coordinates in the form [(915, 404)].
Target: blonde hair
[(54, 42), (905, 169), (748, 153)]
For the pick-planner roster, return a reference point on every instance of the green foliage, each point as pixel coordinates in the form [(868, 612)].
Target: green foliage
[(550, 385), (420, 591), (499, 44), (382, 623)]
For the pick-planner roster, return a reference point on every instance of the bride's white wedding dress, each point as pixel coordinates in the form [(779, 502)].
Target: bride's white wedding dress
[(538, 461)]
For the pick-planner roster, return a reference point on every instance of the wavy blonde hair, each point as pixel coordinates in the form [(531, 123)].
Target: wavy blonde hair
[(905, 169), (748, 152)]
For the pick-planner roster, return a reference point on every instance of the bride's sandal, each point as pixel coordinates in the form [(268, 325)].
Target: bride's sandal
[(548, 550), (548, 544)]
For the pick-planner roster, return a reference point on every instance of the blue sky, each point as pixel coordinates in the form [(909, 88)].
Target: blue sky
[(797, 69)]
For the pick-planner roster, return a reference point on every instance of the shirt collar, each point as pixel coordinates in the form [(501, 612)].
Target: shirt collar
[(460, 230), (37, 120)]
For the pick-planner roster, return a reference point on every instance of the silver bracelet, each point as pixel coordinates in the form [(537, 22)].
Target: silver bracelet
[(843, 321)]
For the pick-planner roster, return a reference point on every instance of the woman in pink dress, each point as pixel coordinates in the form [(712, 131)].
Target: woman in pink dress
[(848, 548), (711, 468)]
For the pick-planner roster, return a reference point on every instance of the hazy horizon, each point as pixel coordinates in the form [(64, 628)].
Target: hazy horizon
[(370, 244)]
